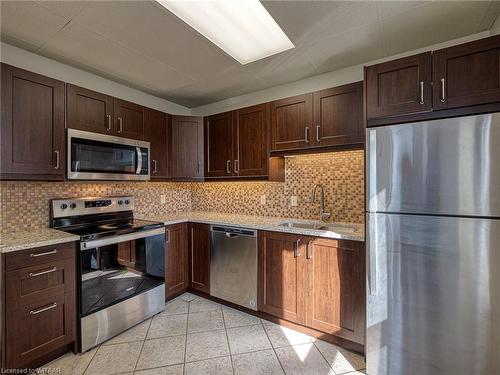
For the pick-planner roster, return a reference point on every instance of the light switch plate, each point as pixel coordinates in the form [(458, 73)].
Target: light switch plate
[(163, 199), (293, 200), (263, 200)]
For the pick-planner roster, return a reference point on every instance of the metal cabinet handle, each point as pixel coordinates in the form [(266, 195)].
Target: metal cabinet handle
[(317, 133), (43, 254), (108, 128), (309, 254), (297, 248), (120, 125), (155, 166), (236, 166), (306, 134), (57, 159), (167, 236), (421, 92), (49, 307), (443, 91), (53, 269), (228, 167)]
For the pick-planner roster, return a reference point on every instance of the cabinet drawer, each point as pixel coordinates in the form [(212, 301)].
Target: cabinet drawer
[(43, 280), (39, 255), (38, 328)]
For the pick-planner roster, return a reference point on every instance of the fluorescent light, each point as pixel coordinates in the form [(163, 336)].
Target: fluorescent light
[(242, 28)]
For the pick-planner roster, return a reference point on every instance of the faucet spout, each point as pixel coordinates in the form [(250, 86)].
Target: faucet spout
[(323, 215)]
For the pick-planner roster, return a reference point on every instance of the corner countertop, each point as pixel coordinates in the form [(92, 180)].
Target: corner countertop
[(33, 238), (344, 231)]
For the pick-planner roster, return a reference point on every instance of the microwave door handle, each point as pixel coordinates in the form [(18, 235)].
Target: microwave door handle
[(139, 160)]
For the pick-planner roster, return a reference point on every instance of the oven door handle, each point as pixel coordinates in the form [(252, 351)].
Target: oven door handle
[(139, 160), (92, 244)]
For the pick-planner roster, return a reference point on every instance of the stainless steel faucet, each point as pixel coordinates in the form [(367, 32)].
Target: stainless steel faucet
[(323, 215)]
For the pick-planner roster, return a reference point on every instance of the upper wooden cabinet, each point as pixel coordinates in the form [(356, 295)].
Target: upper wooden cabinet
[(399, 86), (32, 128), (99, 113), (291, 122), (186, 147), (176, 259), (219, 161), (467, 74), (338, 115), (156, 132)]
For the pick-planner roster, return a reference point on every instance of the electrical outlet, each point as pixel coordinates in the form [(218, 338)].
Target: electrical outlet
[(263, 200), (293, 200), (163, 199)]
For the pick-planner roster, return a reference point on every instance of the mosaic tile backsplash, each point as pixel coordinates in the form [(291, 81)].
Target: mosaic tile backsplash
[(25, 204)]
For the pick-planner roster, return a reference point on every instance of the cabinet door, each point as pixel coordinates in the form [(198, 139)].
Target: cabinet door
[(252, 141), (129, 119), (176, 259), (338, 115), (199, 244), (467, 74), (89, 110), (32, 131), (291, 122), (155, 131), (38, 328), (399, 86), (186, 147), (335, 301), (282, 278), (219, 145)]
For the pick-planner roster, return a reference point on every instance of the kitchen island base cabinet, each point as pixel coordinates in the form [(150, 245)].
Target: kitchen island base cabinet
[(199, 255), (177, 259), (316, 282)]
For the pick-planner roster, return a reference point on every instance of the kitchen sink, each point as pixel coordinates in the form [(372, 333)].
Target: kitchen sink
[(320, 226)]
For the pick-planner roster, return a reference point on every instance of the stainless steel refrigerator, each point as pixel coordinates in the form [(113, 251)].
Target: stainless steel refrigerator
[(433, 242)]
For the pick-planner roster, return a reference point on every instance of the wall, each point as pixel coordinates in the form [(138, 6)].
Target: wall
[(42, 65), (25, 205)]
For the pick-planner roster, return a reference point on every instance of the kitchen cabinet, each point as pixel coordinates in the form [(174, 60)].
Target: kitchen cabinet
[(251, 141), (40, 308), (186, 147), (291, 122), (176, 259), (99, 113), (467, 74), (219, 160), (199, 254), (315, 282), (399, 87), (156, 132), (89, 110), (32, 131), (338, 116)]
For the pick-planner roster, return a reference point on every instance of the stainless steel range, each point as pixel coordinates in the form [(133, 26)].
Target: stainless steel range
[(120, 267)]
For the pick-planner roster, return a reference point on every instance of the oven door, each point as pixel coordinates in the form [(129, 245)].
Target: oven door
[(94, 156)]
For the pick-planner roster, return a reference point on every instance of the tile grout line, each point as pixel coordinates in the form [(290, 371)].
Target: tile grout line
[(91, 359), (143, 342), (272, 346), (227, 338), (185, 341)]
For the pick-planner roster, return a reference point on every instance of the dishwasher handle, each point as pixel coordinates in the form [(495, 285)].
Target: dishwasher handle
[(232, 235), (234, 232)]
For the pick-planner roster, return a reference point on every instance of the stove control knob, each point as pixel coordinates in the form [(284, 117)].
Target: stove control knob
[(72, 205), (64, 206), (127, 201), (120, 202)]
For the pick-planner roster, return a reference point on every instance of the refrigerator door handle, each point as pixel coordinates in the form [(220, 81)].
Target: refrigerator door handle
[(372, 257)]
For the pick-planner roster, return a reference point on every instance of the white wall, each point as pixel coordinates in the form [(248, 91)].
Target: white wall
[(42, 65), (319, 82)]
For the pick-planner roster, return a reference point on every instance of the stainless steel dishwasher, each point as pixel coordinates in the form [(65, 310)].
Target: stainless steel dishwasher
[(233, 265)]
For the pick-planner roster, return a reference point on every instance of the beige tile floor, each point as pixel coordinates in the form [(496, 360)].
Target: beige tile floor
[(197, 336)]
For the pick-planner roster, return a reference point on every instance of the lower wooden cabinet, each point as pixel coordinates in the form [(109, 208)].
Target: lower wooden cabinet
[(315, 282), (176, 259), (199, 255)]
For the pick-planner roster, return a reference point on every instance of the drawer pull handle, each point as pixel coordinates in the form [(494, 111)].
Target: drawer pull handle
[(309, 250), (53, 269), (43, 254), (49, 307)]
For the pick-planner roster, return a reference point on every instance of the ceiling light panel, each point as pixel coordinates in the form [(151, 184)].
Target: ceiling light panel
[(242, 28)]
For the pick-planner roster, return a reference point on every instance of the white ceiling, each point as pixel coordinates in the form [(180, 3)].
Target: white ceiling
[(141, 44)]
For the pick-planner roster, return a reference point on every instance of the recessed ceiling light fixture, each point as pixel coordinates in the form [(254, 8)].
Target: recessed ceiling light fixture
[(242, 28)]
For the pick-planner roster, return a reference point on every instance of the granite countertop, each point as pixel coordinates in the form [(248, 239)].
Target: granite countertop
[(33, 238), (346, 231)]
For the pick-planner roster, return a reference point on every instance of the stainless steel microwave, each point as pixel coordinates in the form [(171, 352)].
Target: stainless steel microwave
[(93, 156)]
